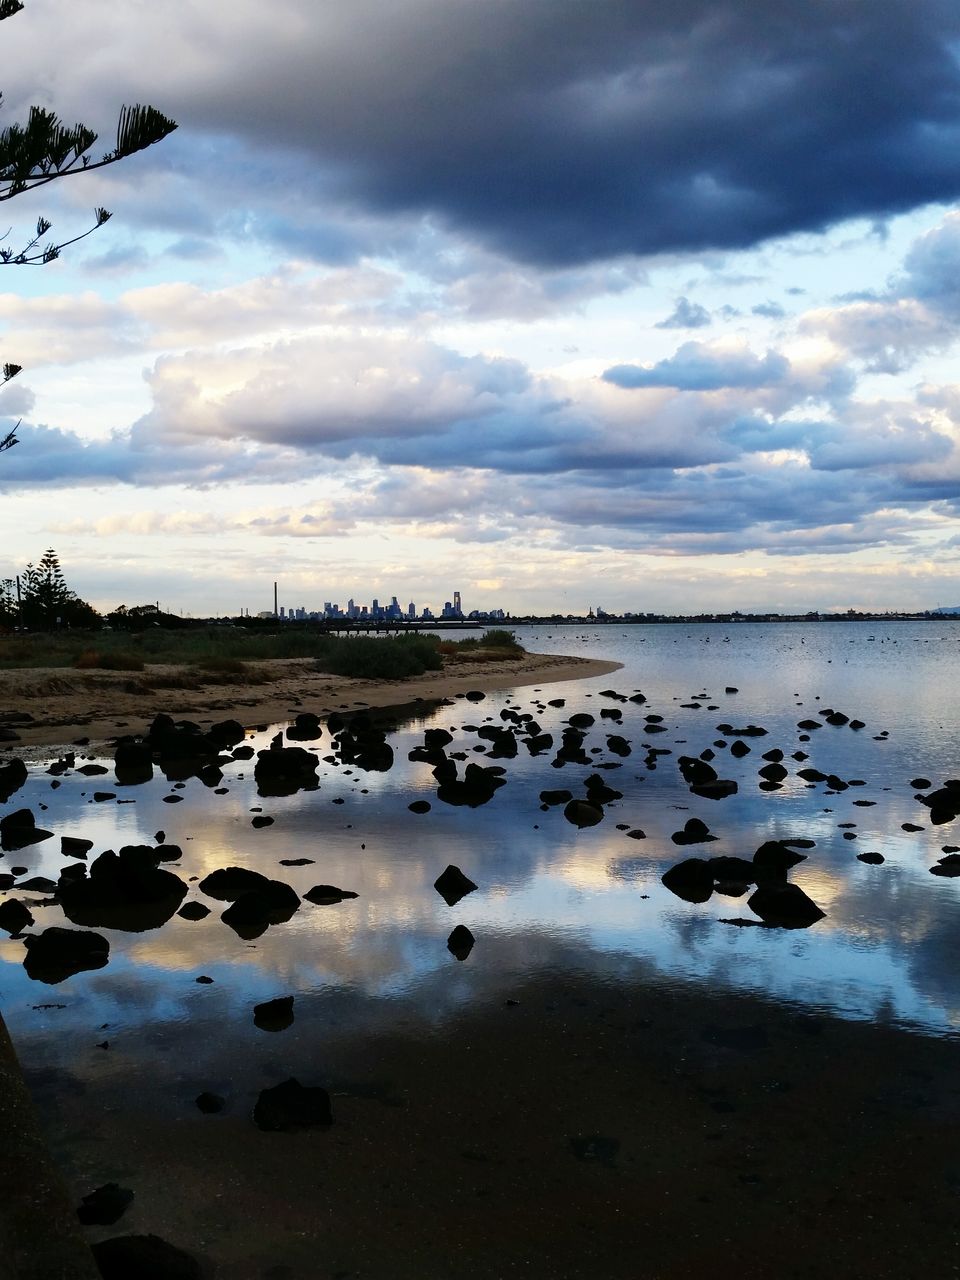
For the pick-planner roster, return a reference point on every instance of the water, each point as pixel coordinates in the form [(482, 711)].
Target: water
[(551, 899)]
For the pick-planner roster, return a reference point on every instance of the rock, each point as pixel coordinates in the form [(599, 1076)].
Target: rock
[(731, 689), (41, 884), (75, 846), (261, 820), (555, 797), (210, 1103), (283, 771), (474, 695), (773, 772), (637, 834), (476, 788), (452, 885), (618, 745), (460, 943), (13, 775), (326, 895), (749, 731), (19, 829), (419, 806), (144, 1257), (583, 813), (811, 775), (227, 733), (274, 1015), (773, 860), (694, 832), (920, 784), (948, 866), (56, 954), (874, 859), (809, 725), (230, 883), (297, 862), (944, 804), (718, 790), (252, 913), (784, 905), (739, 748), (581, 720), (774, 755), (125, 890), (104, 1206), (291, 1105), (193, 911), (436, 739), (691, 880), (538, 743), (599, 793), (14, 916), (132, 762), (695, 772)]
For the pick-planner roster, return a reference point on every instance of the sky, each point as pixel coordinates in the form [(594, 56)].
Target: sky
[(646, 306)]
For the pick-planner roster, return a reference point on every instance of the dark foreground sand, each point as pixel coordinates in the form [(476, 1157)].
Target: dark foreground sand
[(588, 1131)]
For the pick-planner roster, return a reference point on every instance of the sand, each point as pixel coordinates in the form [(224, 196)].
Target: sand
[(66, 705)]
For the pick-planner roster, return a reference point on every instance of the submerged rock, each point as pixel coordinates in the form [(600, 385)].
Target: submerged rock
[(252, 913), (694, 832), (784, 906), (194, 911), (274, 1015), (291, 1105), (325, 895), (125, 890), (452, 885), (18, 830), (57, 954), (460, 943), (691, 880), (583, 813), (283, 771)]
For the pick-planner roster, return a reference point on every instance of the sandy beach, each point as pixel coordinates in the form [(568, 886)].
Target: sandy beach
[(65, 705)]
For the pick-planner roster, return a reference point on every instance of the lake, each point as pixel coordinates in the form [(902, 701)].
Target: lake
[(554, 903)]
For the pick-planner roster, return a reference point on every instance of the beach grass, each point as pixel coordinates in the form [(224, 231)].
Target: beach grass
[(222, 653)]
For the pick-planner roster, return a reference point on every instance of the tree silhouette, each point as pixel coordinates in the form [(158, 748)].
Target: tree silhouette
[(43, 150)]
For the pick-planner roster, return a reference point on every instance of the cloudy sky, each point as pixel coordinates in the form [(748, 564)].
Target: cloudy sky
[(654, 306)]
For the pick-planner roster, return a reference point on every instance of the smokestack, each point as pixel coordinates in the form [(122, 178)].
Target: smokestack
[(276, 611)]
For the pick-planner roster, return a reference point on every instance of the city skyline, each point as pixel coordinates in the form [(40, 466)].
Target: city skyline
[(564, 303)]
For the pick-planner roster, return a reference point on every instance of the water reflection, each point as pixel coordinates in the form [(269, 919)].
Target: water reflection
[(546, 888)]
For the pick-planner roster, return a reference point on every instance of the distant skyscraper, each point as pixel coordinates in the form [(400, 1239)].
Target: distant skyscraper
[(456, 603)]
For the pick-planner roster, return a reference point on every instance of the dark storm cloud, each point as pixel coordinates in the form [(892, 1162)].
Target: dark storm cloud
[(556, 131)]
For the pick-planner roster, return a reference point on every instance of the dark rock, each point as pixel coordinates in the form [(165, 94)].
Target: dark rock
[(581, 720), (739, 748), (948, 866), (230, 883), (694, 832), (874, 859), (773, 860), (784, 905), (774, 755), (104, 1206), (718, 790), (460, 943), (14, 916), (75, 846), (436, 739), (691, 880), (555, 797), (476, 788), (835, 717), (538, 743), (261, 820), (599, 793), (419, 806), (920, 784), (637, 834), (811, 775), (252, 913), (245, 752), (297, 862), (193, 911), (452, 885), (583, 813), (210, 1103), (274, 1015), (132, 762), (326, 895), (731, 689), (41, 884), (19, 829), (727, 868), (809, 725), (748, 731), (290, 1106), (13, 775), (773, 772), (144, 1257), (204, 980), (94, 770), (618, 745), (56, 954), (227, 733), (474, 695), (695, 772), (125, 890), (283, 771)]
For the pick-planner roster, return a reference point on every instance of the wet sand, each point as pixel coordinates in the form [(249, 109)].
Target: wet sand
[(589, 1131), (66, 704)]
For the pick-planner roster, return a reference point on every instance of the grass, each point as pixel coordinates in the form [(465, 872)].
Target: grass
[(223, 653)]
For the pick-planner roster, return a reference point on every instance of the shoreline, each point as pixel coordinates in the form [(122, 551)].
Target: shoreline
[(67, 705)]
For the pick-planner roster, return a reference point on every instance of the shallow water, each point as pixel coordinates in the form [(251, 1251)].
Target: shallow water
[(551, 896)]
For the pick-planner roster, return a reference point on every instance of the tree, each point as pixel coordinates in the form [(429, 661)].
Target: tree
[(44, 150), (42, 600)]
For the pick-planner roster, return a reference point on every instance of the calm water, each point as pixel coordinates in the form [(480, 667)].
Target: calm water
[(551, 898)]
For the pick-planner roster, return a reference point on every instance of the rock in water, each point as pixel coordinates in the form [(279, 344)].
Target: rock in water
[(57, 953), (583, 813), (691, 880), (14, 916), (452, 885), (210, 1103), (143, 1257), (291, 1105), (18, 830), (460, 943), (785, 906), (274, 1015)]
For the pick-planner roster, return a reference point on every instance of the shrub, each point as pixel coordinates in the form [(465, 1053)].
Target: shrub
[(91, 659), (499, 639), (367, 658)]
